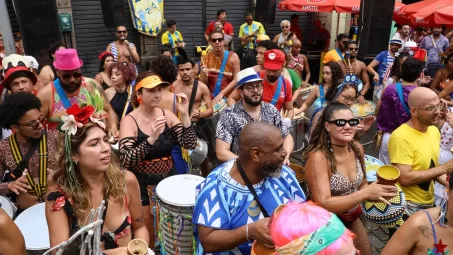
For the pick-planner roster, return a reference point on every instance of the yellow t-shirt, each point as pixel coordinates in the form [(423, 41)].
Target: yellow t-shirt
[(176, 37), (250, 29), (408, 146), (332, 55)]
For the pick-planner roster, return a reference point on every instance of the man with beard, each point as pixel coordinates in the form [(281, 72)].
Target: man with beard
[(250, 108), (382, 62), (199, 95), (220, 68), (234, 202), (403, 35), (69, 88), (414, 149), (121, 49), (337, 54), (358, 68), (435, 45)]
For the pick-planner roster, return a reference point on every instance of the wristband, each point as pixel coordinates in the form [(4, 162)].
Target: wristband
[(247, 232)]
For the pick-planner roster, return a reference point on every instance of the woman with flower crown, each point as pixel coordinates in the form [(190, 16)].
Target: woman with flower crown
[(89, 175), (147, 137)]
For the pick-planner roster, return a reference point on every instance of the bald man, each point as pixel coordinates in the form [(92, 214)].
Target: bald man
[(299, 63), (414, 148), (227, 215)]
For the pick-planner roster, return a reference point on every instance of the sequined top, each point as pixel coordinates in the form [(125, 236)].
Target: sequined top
[(391, 114)]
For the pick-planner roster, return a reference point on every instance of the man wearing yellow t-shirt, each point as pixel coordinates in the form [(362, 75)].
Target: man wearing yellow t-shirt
[(173, 37), (337, 54), (249, 31), (414, 148)]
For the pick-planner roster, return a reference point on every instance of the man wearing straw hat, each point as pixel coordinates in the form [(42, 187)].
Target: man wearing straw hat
[(235, 200), (250, 108), (69, 88)]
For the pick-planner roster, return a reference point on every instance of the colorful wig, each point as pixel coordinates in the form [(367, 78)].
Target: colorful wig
[(296, 224)]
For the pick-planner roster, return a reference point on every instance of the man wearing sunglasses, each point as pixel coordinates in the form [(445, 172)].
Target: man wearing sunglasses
[(30, 145), (220, 68), (357, 68), (284, 40), (69, 88), (414, 149), (249, 108), (337, 54), (122, 50), (233, 205)]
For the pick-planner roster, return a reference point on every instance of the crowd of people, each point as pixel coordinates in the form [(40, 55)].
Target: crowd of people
[(76, 143)]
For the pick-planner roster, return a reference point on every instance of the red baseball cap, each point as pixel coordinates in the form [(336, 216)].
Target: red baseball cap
[(274, 59)]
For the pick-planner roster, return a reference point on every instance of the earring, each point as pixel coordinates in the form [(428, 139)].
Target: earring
[(328, 144), (76, 162), (139, 99)]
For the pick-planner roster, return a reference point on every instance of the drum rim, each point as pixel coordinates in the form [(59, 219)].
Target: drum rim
[(179, 176), (13, 206)]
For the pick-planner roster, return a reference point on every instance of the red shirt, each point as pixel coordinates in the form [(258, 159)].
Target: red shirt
[(227, 28), (269, 91)]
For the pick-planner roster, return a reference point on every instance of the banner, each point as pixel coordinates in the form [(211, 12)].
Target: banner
[(147, 16)]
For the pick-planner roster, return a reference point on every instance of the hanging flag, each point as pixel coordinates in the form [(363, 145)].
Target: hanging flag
[(147, 16)]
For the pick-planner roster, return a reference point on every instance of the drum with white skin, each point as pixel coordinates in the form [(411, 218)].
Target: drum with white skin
[(33, 225), (8, 206)]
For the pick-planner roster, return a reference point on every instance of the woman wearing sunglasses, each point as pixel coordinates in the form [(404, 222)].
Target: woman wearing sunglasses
[(335, 171)]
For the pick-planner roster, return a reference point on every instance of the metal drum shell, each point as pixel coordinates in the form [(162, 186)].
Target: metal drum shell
[(8, 206)]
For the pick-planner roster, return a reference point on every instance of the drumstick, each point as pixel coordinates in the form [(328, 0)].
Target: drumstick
[(198, 109)]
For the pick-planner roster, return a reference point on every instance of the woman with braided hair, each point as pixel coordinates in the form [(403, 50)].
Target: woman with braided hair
[(147, 137), (335, 171), (88, 176)]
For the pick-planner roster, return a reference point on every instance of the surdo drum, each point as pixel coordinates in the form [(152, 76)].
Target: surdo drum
[(33, 225)]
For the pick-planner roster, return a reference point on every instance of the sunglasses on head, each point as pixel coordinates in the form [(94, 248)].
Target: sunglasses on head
[(342, 122), (216, 40), (68, 76), (121, 32)]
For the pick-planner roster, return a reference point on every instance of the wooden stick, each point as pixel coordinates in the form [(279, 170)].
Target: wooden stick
[(199, 108)]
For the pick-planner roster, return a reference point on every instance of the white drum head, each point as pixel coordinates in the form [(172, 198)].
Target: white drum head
[(179, 190), (7, 206), (33, 225)]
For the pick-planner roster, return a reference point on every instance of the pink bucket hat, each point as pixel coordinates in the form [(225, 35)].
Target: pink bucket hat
[(67, 60)]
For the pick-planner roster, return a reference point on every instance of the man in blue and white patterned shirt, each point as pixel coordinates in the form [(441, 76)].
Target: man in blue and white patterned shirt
[(250, 108), (227, 215)]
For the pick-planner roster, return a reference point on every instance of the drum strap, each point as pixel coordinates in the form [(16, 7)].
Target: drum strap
[(128, 101), (250, 187), (221, 71), (193, 95), (22, 162), (399, 90)]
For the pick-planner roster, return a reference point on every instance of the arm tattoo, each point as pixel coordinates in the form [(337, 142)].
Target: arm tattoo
[(140, 219), (426, 232)]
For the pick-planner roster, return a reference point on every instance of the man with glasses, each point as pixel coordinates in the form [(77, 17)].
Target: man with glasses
[(27, 154), (248, 32), (219, 68), (358, 68), (70, 88), (122, 50), (414, 149), (284, 40), (383, 62), (250, 108), (337, 54)]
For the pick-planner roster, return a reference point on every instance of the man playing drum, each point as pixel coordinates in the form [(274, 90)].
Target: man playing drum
[(250, 108), (219, 68), (229, 212), (27, 154), (199, 98)]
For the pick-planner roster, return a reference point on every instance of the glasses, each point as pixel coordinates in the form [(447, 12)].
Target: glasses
[(433, 108), (252, 88), (216, 40), (353, 49), (68, 76), (35, 124), (285, 26), (348, 98), (342, 122), (121, 32)]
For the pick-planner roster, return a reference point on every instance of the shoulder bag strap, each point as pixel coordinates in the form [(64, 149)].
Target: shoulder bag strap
[(63, 97), (221, 71), (250, 187), (277, 92), (193, 95), (399, 90)]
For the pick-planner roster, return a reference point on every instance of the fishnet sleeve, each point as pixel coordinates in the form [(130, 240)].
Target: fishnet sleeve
[(131, 152), (186, 137)]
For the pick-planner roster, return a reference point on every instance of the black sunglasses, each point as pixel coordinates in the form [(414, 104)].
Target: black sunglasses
[(285, 26), (216, 40), (353, 49), (342, 122), (68, 76), (35, 124), (121, 32)]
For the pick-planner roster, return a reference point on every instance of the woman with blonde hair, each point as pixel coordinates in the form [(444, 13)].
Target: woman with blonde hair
[(87, 177)]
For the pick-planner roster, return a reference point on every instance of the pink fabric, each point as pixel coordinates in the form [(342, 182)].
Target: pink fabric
[(67, 60)]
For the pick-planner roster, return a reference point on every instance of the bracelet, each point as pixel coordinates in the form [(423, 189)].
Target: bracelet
[(247, 232)]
